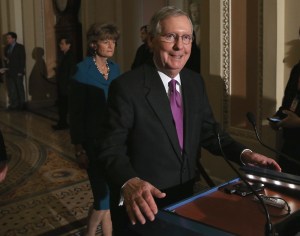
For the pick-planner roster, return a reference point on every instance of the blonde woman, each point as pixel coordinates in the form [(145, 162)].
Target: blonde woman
[(88, 94)]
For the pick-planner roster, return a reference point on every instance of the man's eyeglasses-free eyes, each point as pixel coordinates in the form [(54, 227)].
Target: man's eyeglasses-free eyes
[(172, 38)]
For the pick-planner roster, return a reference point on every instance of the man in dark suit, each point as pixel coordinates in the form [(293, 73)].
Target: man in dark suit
[(149, 163), (65, 70), (143, 53), (15, 62)]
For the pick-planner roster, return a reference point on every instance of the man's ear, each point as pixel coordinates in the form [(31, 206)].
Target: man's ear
[(150, 42)]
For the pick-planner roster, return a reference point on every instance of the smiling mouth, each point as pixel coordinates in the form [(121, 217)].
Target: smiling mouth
[(177, 56)]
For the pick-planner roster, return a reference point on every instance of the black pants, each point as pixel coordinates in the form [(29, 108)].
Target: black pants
[(16, 92), (62, 109), (121, 223)]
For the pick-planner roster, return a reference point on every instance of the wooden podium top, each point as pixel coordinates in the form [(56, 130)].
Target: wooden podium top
[(233, 213)]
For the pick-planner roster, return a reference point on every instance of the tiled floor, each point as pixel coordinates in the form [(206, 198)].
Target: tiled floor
[(45, 193)]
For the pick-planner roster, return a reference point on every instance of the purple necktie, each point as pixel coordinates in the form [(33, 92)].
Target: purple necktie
[(177, 111)]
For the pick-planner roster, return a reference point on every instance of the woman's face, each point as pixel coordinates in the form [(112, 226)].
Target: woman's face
[(105, 48)]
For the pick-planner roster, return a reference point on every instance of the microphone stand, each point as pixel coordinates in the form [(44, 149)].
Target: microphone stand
[(268, 225), (251, 119)]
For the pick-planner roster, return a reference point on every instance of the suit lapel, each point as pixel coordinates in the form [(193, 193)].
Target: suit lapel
[(188, 101), (156, 95)]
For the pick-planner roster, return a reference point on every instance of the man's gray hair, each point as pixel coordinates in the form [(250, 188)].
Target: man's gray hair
[(163, 13)]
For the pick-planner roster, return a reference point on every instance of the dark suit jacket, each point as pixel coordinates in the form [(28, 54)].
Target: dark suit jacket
[(16, 59), (87, 110), (65, 70), (142, 139), (143, 55), (290, 92)]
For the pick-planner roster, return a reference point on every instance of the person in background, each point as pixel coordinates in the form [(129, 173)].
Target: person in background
[(194, 61), (194, 9), (289, 113), (64, 72), (3, 159), (88, 93), (158, 118), (143, 53), (15, 59)]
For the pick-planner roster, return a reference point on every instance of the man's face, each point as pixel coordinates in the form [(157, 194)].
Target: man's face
[(170, 58), (144, 35), (64, 46), (10, 40)]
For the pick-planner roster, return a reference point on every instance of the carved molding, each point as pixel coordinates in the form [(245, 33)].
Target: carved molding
[(226, 60), (260, 65), (226, 69)]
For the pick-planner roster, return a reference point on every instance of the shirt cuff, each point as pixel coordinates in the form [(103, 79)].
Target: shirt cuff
[(121, 201), (243, 163)]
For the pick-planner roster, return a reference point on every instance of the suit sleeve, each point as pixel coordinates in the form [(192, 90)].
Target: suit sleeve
[(119, 121), (22, 58)]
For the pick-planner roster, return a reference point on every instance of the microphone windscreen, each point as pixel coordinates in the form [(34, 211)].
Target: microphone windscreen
[(251, 118)]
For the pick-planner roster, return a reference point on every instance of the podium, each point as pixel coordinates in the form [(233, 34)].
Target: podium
[(215, 212)]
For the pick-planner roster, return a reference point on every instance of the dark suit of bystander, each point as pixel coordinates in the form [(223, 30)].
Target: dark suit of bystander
[(15, 58)]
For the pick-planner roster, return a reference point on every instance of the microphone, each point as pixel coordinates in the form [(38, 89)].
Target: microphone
[(251, 119), (268, 226)]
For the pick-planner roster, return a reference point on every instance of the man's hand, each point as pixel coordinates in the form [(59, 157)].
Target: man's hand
[(252, 158), (139, 200)]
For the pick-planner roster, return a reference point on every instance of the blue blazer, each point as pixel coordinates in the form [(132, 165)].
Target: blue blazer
[(87, 73), (87, 101)]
